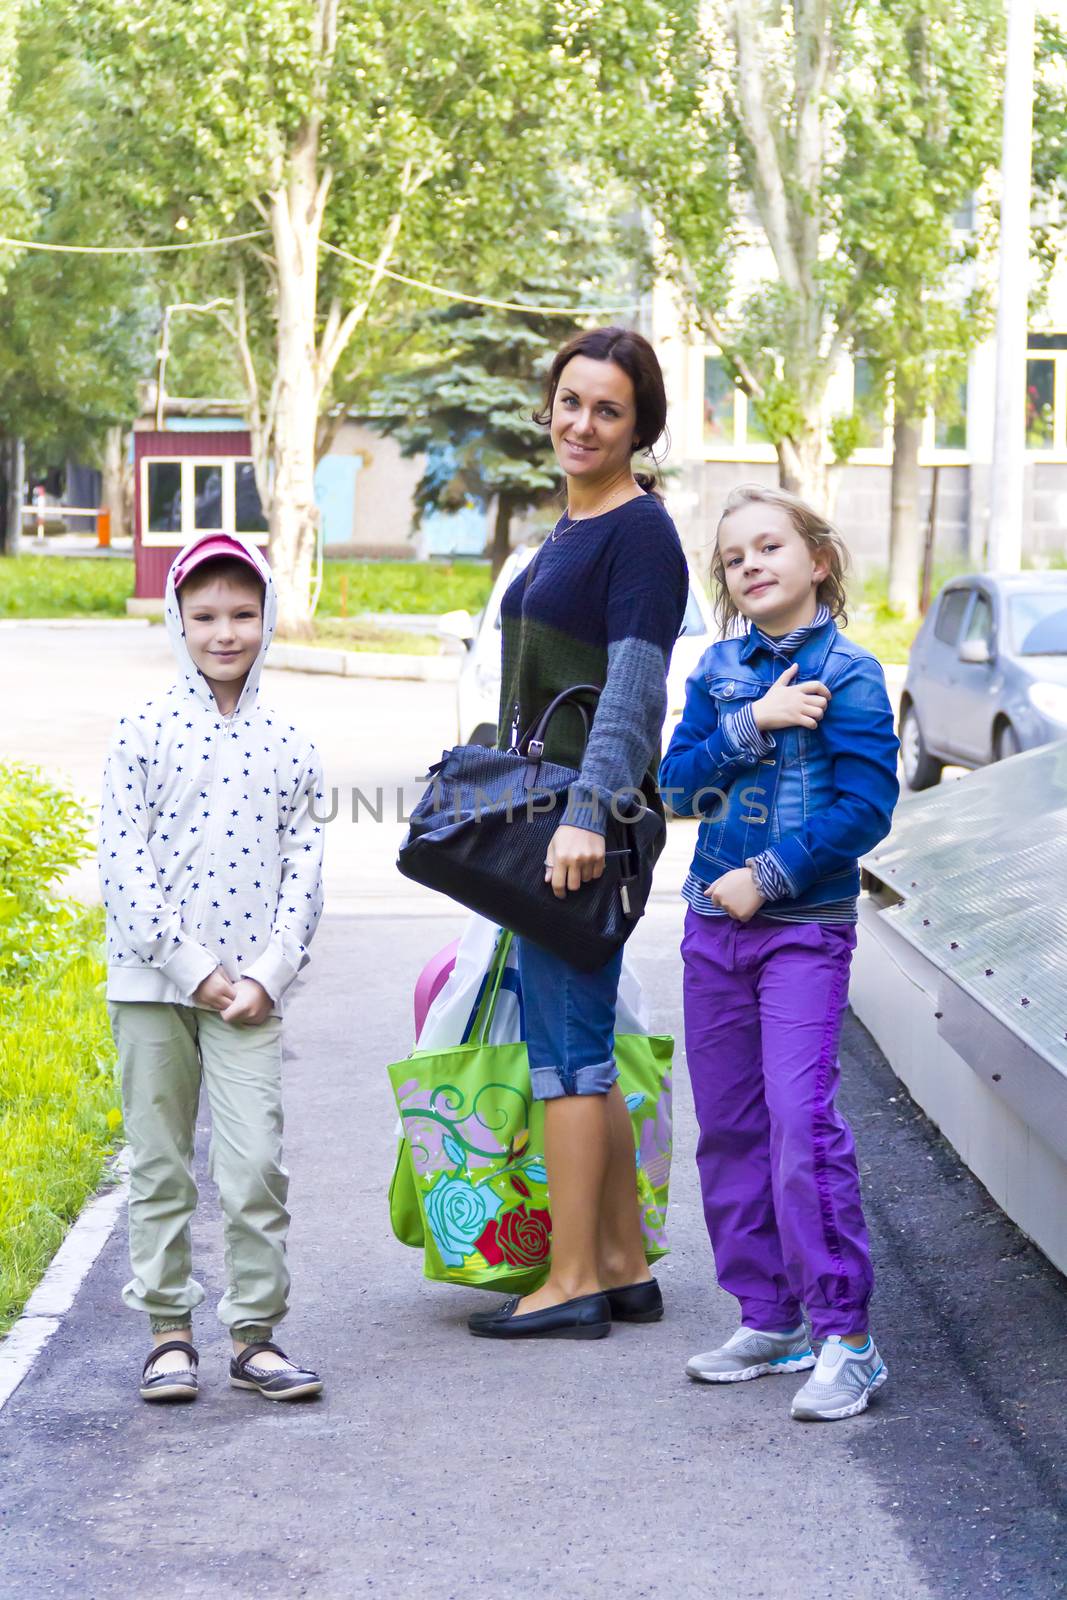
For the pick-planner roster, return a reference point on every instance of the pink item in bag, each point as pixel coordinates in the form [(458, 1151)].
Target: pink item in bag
[(431, 981)]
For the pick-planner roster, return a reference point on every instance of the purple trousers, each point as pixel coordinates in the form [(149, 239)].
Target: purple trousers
[(763, 1007)]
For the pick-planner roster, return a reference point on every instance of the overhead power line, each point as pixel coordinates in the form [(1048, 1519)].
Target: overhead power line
[(346, 255)]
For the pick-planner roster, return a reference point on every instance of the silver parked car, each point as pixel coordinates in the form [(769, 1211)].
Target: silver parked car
[(987, 674)]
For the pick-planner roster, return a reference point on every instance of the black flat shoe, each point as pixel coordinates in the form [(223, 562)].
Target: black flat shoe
[(588, 1317), (180, 1385), (637, 1302), (273, 1383)]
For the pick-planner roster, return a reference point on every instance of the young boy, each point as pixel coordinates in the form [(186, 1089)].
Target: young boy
[(210, 865)]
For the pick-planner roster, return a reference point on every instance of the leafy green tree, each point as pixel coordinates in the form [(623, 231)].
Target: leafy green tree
[(915, 157), (729, 115), (412, 137), (76, 332), (1050, 147)]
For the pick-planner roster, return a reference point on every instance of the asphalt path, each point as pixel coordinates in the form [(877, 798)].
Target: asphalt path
[(440, 1465)]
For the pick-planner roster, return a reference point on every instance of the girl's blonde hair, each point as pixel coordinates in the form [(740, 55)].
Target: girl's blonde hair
[(817, 531)]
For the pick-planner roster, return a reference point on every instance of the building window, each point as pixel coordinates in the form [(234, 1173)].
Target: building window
[(1046, 394), (963, 218), (719, 403), (1040, 403), (755, 432), (951, 433), (868, 405)]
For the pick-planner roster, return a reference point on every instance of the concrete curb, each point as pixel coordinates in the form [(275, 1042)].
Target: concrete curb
[(363, 663), (55, 1294), (74, 622), (292, 657)]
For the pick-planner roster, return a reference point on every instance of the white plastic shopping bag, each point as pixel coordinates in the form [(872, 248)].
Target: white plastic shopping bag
[(451, 1015)]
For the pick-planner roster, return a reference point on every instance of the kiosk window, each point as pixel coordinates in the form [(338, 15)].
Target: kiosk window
[(164, 497), (248, 512)]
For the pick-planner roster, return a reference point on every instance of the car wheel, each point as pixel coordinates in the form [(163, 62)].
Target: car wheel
[(921, 771), (1005, 743)]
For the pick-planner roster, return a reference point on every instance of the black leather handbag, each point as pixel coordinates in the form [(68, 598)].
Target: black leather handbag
[(482, 829)]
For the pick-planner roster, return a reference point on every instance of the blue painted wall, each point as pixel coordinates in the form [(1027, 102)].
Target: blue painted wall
[(335, 496)]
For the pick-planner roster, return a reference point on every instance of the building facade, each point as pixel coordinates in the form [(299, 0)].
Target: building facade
[(717, 442)]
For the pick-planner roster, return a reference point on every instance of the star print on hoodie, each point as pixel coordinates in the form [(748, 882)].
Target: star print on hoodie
[(210, 854)]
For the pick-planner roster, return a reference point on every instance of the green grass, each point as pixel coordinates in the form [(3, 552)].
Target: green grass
[(61, 586), (415, 586), (59, 1103), (341, 633), (880, 629), (59, 1109)]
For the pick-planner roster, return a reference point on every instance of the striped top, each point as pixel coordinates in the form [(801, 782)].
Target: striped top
[(751, 744)]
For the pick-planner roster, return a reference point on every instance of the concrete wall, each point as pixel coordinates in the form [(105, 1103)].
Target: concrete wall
[(696, 493), (383, 495)]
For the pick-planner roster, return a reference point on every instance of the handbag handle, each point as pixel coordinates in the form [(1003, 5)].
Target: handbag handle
[(532, 743)]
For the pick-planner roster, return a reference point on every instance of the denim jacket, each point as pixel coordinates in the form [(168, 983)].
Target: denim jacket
[(822, 798)]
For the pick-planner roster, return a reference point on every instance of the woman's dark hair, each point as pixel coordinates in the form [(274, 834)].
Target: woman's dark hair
[(633, 353)]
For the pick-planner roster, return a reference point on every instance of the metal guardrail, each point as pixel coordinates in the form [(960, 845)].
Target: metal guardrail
[(45, 512), (977, 871)]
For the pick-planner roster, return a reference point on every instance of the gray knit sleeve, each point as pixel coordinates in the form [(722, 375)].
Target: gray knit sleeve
[(625, 735)]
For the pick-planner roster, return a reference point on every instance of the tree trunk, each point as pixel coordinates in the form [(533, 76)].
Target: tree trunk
[(13, 471), (293, 519), (114, 474), (500, 547), (803, 470), (905, 538), (296, 216)]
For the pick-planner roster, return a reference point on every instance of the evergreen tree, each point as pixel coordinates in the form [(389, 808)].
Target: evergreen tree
[(468, 407)]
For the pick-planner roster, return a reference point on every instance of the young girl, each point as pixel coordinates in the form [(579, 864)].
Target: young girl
[(787, 752)]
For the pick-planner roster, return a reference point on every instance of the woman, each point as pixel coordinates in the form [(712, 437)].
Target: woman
[(602, 604)]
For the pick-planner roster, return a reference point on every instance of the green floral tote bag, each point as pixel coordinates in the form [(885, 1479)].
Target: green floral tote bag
[(470, 1187)]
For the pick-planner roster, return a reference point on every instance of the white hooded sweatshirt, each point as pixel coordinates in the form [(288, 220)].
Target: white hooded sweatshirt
[(210, 852)]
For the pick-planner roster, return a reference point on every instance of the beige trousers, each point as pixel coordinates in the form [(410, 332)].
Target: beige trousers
[(165, 1053)]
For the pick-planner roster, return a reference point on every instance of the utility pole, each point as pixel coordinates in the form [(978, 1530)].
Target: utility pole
[(1009, 421)]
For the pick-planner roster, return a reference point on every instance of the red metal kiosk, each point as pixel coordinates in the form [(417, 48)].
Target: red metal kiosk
[(195, 479)]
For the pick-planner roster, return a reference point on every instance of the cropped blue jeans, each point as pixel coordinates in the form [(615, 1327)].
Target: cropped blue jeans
[(570, 1023)]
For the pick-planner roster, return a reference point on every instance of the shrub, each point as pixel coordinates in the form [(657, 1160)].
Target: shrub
[(43, 833), (59, 1110)]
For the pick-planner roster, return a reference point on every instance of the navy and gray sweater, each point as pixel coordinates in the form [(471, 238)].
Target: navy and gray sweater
[(601, 604)]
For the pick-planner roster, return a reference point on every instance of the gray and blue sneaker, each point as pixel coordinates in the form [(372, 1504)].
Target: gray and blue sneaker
[(748, 1353), (842, 1383)]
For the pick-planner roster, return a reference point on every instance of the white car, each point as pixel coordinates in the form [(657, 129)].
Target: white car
[(478, 688)]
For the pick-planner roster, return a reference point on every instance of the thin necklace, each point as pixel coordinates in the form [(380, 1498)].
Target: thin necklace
[(565, 523)]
